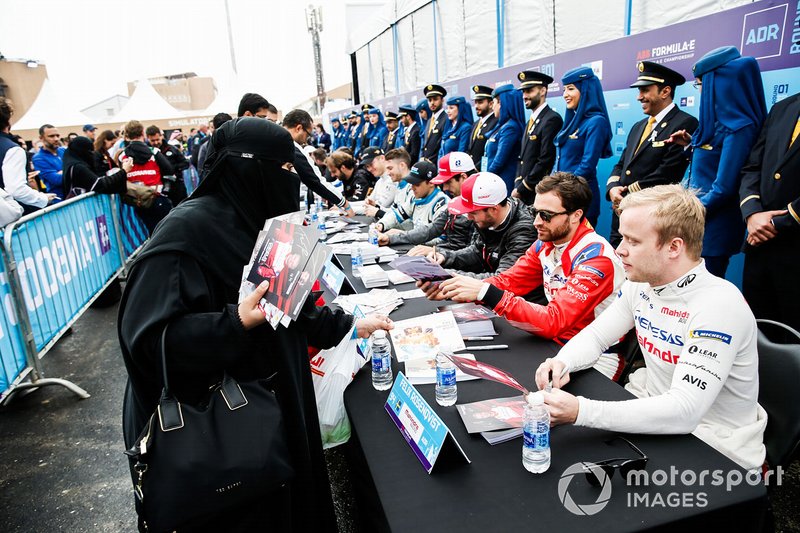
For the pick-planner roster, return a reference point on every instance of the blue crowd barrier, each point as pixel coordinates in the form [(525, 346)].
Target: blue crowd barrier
[(55, 263)]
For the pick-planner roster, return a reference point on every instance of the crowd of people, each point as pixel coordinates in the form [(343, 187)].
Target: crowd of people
[(507, 204)]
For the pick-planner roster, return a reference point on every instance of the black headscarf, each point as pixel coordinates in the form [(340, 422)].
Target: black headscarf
[(79, 152), (244, 187)]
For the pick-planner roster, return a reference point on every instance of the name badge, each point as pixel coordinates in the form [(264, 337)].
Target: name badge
[(435, 131), (657, 144), (426, 433), (533, 137), (452, 137), (706, 147)]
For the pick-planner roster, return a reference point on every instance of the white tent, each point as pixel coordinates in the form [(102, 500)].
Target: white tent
[(146, 104), (50, 108)]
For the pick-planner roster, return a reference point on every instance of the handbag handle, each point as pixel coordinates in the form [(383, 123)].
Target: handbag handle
[(170, 415)]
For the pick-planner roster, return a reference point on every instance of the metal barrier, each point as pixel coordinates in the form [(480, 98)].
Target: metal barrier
[(55, 263)]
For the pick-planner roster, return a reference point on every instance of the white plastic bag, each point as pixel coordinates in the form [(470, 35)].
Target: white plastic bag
[(332, 371)]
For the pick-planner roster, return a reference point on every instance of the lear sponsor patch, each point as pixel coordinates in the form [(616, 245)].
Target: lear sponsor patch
[(709, 334), (588, 268)]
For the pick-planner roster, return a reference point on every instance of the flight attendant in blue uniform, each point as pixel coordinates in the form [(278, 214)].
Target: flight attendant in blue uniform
[(732, 111), (586, 135), (502, 149), (458, 127), (423, 115), (379, 130)]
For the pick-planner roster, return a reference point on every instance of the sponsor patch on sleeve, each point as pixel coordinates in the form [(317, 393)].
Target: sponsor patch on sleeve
[(588, 268), (709, 334)]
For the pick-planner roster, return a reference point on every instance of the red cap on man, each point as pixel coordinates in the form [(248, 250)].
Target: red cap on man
[(453, 164), (479, 191)]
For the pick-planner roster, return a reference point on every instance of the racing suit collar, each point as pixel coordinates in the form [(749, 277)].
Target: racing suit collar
[(566, 256), (683, 283)]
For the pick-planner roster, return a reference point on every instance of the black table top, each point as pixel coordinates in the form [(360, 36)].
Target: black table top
[(495, 492)]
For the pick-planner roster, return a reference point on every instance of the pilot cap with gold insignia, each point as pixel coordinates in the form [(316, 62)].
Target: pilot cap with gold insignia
[(531, 78), (434, 90), (651, 73)]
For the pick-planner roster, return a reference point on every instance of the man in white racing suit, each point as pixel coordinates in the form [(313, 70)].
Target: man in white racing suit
[(696, 332)]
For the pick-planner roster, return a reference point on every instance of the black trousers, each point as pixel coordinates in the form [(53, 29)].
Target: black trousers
[(768, 282)]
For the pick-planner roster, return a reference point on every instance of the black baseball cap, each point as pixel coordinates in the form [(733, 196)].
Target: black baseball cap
[(370, 153), (423, 170)]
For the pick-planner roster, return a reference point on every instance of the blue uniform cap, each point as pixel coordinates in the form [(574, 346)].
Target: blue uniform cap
[(577, 74), (502, 89), (715, 59), (374, 111), (456, 100)]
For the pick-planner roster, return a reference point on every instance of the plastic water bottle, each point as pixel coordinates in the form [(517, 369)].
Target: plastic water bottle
[(304, 205), (373, 234), (536, 435), (356, 261), (314, 216), (446, 388), (319, 205), (381, 361), (321, 223)]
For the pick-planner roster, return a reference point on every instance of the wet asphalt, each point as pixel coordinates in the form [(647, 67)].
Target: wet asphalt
[(62, 466)]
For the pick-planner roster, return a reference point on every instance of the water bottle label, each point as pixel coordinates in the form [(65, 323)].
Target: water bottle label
[(377, 364), (539, 440), (446, 377)]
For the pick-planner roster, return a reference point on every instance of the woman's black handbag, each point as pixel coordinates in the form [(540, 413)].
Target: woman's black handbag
[(194, 463)]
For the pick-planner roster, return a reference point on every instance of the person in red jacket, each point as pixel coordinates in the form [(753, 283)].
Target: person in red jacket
[(580, 272)]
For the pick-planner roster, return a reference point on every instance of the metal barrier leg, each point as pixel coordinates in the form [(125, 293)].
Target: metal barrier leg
[(43, 382)]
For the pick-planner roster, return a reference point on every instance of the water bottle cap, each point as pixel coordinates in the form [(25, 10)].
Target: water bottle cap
[(379, 334), (536, 398)]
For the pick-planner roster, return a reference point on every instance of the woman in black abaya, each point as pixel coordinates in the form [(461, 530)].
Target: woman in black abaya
[(188, 277)]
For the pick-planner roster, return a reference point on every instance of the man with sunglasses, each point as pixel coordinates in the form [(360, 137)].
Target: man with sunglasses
[(696, 332), (576, 267)]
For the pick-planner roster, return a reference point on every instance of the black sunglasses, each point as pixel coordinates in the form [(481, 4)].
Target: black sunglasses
[(608, 466), (546, 216)]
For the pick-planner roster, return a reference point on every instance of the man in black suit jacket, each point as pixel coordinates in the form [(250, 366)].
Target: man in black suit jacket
[(648, 159), (538, 151), (770, 203), (391, 124), (433, 133), (411, 139), (482, 100)]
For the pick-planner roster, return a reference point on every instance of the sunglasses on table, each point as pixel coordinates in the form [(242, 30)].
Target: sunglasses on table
[(608, 466), (545, 215)]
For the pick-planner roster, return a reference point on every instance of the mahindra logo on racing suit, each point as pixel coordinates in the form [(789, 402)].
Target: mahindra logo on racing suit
[(660, 334), (686, 280), (674, 312), (665, 355)]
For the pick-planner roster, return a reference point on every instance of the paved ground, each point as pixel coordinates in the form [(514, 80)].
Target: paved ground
[(61, 461)]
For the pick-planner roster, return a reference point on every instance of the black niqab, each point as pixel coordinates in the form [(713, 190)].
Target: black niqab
[(245, 174)]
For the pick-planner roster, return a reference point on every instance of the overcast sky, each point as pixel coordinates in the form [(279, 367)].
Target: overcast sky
[(92, 48)]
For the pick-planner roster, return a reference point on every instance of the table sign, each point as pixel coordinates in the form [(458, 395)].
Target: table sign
[(422, 428), (332, 277)]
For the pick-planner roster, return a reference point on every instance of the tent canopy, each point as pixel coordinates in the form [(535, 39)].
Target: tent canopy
[(146, 104), (50, 108)]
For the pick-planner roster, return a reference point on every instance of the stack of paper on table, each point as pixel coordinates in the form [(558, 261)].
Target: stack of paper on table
[(346, 236), (369, 252), (497, 420), (425, 336), (374, 276), (473, 320), (422, 371), (378, 301)]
